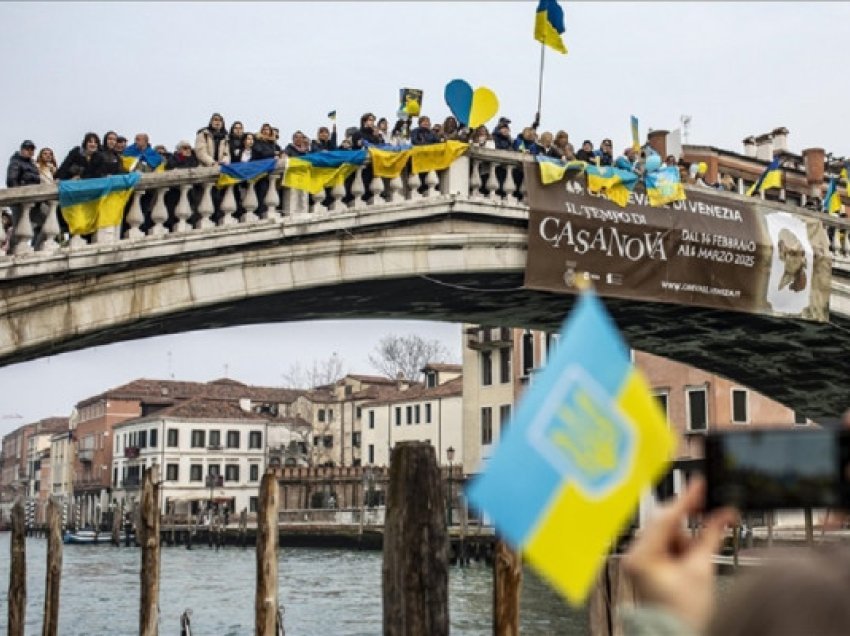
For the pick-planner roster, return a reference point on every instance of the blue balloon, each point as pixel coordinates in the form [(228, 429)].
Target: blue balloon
[(653, 162), (458, 96)]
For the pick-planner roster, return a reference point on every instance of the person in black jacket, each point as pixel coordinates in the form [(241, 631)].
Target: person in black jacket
[(300, 145), (236, 139), (265, 147), (110, 160), (423, 134), (22, 169), (83, 161), (325, 140), (368, 133), (183, 158)]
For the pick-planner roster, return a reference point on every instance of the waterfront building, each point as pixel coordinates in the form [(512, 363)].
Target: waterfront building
[(208, 451), (24, 458), (431, 411), (98, 415)]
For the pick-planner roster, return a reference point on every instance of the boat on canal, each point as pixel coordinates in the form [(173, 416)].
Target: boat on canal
[(92, 536)]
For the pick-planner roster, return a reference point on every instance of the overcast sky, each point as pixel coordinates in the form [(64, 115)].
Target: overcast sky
[(736, 68)]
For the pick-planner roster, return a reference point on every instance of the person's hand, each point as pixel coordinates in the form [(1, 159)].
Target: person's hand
[(674, 570)]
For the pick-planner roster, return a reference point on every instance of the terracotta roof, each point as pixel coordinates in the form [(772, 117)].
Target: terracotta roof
[(169, 391), (205, 408), (452, 388), (52, 425)]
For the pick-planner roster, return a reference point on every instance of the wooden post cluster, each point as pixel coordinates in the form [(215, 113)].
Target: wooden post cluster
[(148, 536), (613, 588), (265, 600), (416, 551)]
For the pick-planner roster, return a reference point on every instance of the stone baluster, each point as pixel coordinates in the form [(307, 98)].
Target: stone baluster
[(206, 208), (50, 229), (23, 230), (396, 190), (431, 183), (846, 242), (490, 183), (413, 183), (377, 189), (159, 214), (183, 211), (510, 184), (836, 239), (337, 195), (296, 202), (272, 200), (357, 190), (250, 203), (135, 218), (475, 180), (742, 187), (228, 207), (2, 237)]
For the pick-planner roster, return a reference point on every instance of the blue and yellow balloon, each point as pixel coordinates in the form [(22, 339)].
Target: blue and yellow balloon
[(471, 108)]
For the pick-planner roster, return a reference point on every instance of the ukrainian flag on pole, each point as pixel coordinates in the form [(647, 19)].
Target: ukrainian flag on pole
[(90, 204), (587, 439), (549, 25), (832, 200)]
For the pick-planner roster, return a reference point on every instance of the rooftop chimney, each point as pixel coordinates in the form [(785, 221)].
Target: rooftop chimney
[(764, 147), (813, 159), (780, 139), (750, 146), (245, 404)]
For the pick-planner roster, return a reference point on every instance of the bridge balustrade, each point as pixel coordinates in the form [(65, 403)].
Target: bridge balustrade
[(483, 175)]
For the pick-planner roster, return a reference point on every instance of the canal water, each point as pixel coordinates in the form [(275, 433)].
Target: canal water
[(324, 592)]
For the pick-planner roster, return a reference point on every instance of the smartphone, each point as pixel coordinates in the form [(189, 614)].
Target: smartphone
[(774, 469)]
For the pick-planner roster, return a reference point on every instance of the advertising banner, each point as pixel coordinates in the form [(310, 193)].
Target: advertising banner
[(709, 251)]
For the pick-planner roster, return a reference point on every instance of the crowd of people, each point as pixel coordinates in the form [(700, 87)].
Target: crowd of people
[(216, 144)]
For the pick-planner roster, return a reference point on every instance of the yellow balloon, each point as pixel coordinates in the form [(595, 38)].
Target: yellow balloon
[(484, 107), (703, 167), (412, 107)]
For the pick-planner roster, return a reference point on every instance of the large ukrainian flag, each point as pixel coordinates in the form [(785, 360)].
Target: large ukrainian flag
[(90, 204), (435, 157), (316, 171), (389, 161), (553, 170), (664, 186), (616, 183), (250, 171), (770, 178), (588, 437), (549, 25)]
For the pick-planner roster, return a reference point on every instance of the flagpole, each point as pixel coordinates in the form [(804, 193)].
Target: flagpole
[(540, 80)]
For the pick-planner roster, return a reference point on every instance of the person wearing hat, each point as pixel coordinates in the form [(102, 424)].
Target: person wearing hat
[(22, 169), (502, 134)]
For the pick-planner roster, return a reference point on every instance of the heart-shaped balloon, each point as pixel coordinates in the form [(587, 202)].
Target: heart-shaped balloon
[(471, 108), (458, 96)]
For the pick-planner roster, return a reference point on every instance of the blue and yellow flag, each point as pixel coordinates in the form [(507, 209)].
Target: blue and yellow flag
[(553, 170), (132, 155), (389, 161), (588, 437), (436, 156), (250, 171), (90, 204), (832, 200), (770, 178), (316, 171), (664, 186), (549, 25), (616, 183)]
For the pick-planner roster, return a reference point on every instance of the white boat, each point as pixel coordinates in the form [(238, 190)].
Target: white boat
[(92, 536)]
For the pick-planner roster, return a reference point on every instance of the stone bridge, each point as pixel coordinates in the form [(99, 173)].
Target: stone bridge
[(450, 249)]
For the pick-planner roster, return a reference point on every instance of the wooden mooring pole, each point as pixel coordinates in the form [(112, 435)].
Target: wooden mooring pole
[(265, 600), (53, 578), (416, 549), (17, 572), (613, 588), (507, 584), (148, 537)]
